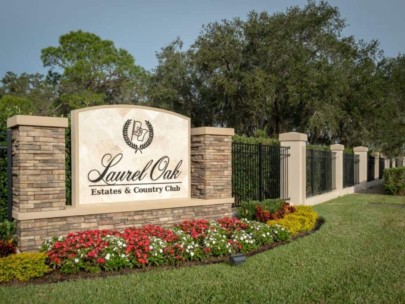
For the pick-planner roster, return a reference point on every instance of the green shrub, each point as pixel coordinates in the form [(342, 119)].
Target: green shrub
[(3, 181), (23, 266), (7, 238), (394, 181), (7, 230), (247, 209), (302, 220), (255, 140), (318, 147)]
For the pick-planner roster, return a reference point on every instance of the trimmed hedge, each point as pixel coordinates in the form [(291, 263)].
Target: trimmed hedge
[(255, 140), (394, 181), (23, 266)]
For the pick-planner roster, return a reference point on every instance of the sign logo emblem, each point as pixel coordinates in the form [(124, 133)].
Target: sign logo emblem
[(140, 136)]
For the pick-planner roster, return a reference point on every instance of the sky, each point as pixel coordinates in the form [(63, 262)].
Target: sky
[(144, 27)]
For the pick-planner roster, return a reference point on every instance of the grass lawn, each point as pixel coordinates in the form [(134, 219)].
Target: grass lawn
[(358, 256)]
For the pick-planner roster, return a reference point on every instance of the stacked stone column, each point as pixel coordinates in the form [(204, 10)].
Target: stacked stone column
[(38, 145), (211, 163)]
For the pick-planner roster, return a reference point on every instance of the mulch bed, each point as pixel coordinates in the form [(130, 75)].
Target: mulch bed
[(56, 276)]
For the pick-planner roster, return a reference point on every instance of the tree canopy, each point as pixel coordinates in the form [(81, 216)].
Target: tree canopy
[(289, 71), (93, 71)]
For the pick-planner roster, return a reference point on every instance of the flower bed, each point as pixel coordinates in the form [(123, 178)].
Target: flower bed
[(303, 219), (193, 240)]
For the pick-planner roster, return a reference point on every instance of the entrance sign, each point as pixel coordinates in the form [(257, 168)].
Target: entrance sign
[(129, 154)]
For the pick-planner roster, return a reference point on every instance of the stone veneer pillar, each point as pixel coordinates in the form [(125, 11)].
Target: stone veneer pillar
[(38, 145), (338, 174), (362, 152), (296, 165), (211, 163)]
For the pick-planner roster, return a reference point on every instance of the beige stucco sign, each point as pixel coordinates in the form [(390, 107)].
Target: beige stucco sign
[(129, 154)]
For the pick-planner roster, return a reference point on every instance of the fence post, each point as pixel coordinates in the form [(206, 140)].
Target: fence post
[(338, 174), (393, 163), (362, 153), (296, 178)]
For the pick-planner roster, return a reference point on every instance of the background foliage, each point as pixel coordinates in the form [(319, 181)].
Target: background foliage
[(290, 71)]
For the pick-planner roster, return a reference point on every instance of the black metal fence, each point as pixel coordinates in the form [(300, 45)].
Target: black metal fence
[(5, 175), (321, 166), (350, 169), (381, 168), (259, 172), (370, 168)]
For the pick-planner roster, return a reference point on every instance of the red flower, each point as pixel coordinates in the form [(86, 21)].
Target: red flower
[(262, 215)]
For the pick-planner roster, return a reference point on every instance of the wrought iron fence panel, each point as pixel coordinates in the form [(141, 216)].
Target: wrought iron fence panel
[(257, 171), (320, 172), (350, 169), (370, 168)]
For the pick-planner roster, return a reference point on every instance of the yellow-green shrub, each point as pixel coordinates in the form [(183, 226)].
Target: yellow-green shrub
[(303, 219), (23, 266)]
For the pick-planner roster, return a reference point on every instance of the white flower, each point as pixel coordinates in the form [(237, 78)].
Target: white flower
[(76, 260), (107, 257), (192, 253)]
